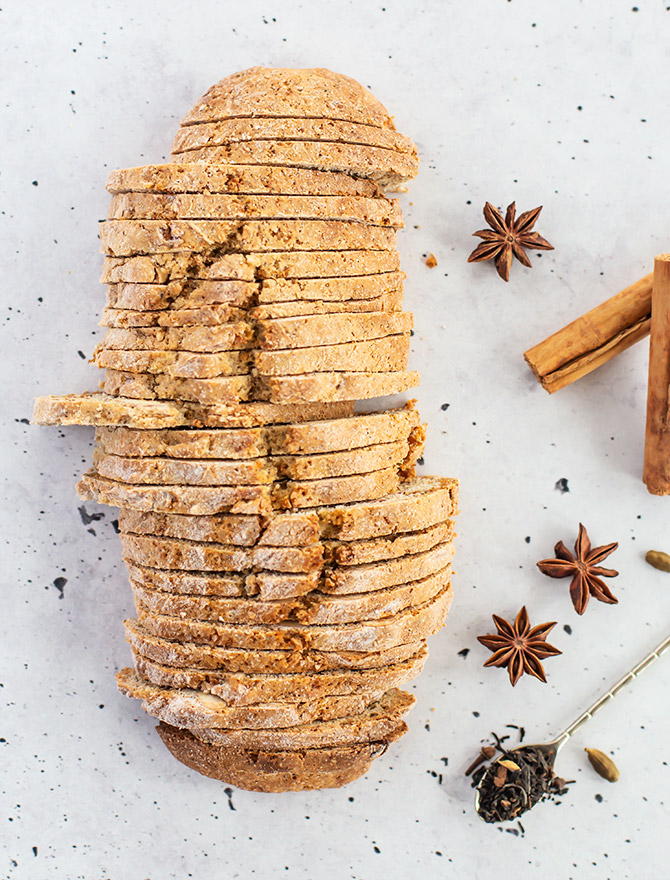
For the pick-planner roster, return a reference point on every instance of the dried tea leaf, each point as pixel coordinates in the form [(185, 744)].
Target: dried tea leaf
[(603, 764), (658, 559)]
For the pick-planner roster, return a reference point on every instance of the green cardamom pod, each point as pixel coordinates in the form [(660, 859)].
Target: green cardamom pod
[(658, 559), (603, 764)]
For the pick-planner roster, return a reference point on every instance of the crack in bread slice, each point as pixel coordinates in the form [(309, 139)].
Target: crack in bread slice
[(373, 724), (284, 92), (151, 206), (248, 689), (213, 134), (406, 626), (314, 608), (187, 654), (122, 238), (291, 269), (389, 168)]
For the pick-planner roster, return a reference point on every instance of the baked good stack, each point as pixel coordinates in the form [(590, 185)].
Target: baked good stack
[(286, 563)]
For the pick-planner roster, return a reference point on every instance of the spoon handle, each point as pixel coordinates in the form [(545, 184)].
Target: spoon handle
[(562, 738)]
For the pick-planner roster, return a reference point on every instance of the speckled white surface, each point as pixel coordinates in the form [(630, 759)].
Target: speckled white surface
[(562, 104)]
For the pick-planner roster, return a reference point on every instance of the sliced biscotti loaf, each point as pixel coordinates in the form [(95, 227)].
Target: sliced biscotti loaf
[(185, 707), (375, 722), (93, 408), (187, 654), (361, 552), (229, 390), (386, 572), (182, 177), (242, 531), (226, 131), (224, 337), (275, 92), (314, 608), (206, 206), (303, 438), (120, 238), (247, 689), (410, 625), (389, 168), (385, 354), (388, 302), (213, 265), (321, 330), (276, 771)]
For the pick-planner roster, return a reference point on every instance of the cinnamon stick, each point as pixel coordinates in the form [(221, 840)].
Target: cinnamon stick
[(657, 435), (592, 339)]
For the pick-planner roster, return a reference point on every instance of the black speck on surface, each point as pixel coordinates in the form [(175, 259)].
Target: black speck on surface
[(568, 629), (420, 460), (599, 798), (88, 518), (444, 406), (82, 355), (464, 653), (35, 851), (476, 714), (59, 584), (115, 524), (445, 761), (562, 485), (35, 183), (229, 794), (527, 539), (24, 421), (376, 849)]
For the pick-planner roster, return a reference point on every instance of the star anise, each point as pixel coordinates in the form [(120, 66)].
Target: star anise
[(584, 569), (507, 238), (518, 647)]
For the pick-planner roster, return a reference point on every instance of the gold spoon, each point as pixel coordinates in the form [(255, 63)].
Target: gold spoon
[(550, 749)]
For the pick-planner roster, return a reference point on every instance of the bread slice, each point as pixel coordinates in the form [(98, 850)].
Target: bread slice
[(92, 408), (340, 580), (310, 92), (219, 390), (236, 179), (265, 586), (313, 609), (192, 707), (394, 547), (389, 168), (120, 238), (343, 293), (303, 438), (175, 364), (213, 134), (238, 499), (226, 472), (175, 553), (322, 330), (387, 354), (406, 626), (212, 265), (248, 689), (207, 206), (235, 336), (242, 531), (334, 386), (276, 771), (211, 315), (202, 315), (187, 654), (374, 723)]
